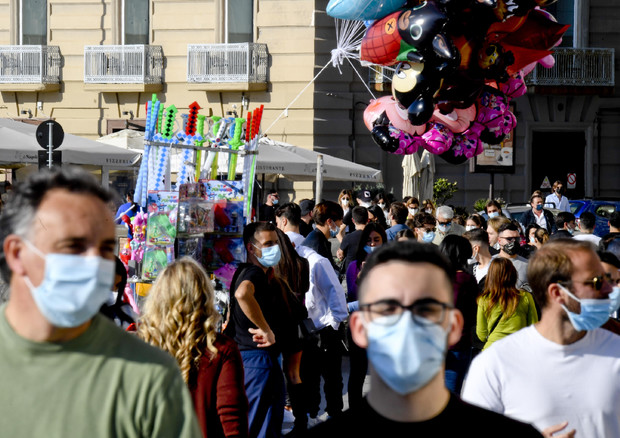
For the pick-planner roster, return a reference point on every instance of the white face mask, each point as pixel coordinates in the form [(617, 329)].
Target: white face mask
[(470, 227), (344, 202), (381, 205), (413, 211)]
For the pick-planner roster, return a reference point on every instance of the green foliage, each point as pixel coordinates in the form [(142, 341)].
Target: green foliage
[(443, 190), (480, 204)]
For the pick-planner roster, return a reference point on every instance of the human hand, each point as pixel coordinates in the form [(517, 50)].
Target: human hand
[(262, 338), (549, 432), (340, 254)]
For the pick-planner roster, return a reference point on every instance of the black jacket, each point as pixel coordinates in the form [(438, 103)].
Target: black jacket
[(528, 218)]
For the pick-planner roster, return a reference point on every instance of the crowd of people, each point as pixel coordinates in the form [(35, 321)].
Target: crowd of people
[(480, 324)]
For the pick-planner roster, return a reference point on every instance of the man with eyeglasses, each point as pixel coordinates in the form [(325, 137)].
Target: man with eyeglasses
[(424, 227), (509, 242), (406, 327), (66, 369), (564, 371), (445, 226)]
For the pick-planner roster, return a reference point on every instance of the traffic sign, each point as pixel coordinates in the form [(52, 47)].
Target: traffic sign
[(44, 159), (571, 180), (545, 184), (43, 134)]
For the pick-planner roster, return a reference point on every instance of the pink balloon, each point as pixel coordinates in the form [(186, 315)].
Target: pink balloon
[(514, 87), (438, 138), (468, 143), (458, 120), (394, 111)]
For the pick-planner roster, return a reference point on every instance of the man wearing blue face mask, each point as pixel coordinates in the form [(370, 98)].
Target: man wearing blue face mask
[(257, 325), (445, 226), (538, 215), (406, 327), (327, 217), (68, 369), (564, 371)]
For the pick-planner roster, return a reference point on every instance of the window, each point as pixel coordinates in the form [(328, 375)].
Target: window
[(239, 21), (135, 21), (564, 12), (33, 22)]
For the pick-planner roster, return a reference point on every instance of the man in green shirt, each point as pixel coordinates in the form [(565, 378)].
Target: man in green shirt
[(66, 370)]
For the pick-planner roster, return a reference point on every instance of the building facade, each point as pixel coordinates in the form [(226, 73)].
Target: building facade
[(93, 64)]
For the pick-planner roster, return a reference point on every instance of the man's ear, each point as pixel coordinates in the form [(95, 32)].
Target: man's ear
[(12, 247), (358, 331), (554, 293), (456, 327)]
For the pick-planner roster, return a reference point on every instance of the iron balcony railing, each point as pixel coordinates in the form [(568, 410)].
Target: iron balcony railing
[(130, 64), (583, 67), (30, 64), (219, 63)]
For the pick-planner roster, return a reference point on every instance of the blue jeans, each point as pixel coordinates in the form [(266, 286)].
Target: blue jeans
[(264, 386)]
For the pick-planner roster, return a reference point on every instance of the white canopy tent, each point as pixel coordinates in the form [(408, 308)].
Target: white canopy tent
[(19, 145), (274, 158)]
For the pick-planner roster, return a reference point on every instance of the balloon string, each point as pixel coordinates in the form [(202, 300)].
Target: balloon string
[(284, 111), (361, 79)]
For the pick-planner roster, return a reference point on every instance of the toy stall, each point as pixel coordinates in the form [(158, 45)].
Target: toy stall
[(203, 213)]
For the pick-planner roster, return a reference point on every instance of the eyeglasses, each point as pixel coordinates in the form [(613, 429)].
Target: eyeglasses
[(596, 282), (444, 223), (424, 312)]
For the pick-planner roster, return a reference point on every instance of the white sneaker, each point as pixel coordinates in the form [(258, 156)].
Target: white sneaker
[(313, 421)]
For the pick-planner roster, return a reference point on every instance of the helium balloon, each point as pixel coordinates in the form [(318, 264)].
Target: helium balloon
[(414, 90), (458, 120), (438, 138), (363, 9)]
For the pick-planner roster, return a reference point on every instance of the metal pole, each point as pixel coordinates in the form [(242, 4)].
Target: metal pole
[(491, 185), (319, 178), (50, 146)]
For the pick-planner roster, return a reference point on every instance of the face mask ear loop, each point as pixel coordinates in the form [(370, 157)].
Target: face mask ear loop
[(36, 250)]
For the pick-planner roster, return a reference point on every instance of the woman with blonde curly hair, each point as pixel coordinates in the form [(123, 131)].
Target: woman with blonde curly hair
[(180, 318)]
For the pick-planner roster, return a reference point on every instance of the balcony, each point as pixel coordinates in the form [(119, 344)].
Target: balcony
[(227, 67), (130, 68), (576, 67), (30, 68), (380, 77)]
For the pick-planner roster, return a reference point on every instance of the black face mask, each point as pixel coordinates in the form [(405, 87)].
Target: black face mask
[(511, 248)]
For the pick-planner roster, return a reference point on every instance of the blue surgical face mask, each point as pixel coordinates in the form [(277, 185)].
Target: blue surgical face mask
[(539, 207), (571, 231), (271, 256), (494, 214), (275, 202), (333, 232), (406, 356), (428, 236), (73, 289), (369, 248), (594, 312), (444, 228)]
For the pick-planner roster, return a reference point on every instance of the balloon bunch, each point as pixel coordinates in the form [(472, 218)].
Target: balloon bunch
[(458, 63)]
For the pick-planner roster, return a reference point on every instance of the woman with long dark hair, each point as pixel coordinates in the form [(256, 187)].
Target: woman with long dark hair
[(502, 308), (373, 236), (458, 250)]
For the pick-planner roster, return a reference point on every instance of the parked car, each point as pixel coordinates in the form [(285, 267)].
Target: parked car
[(601, 208), (517, 210)]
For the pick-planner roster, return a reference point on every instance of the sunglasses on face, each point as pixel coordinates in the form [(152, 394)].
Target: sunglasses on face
[(596, 282)]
